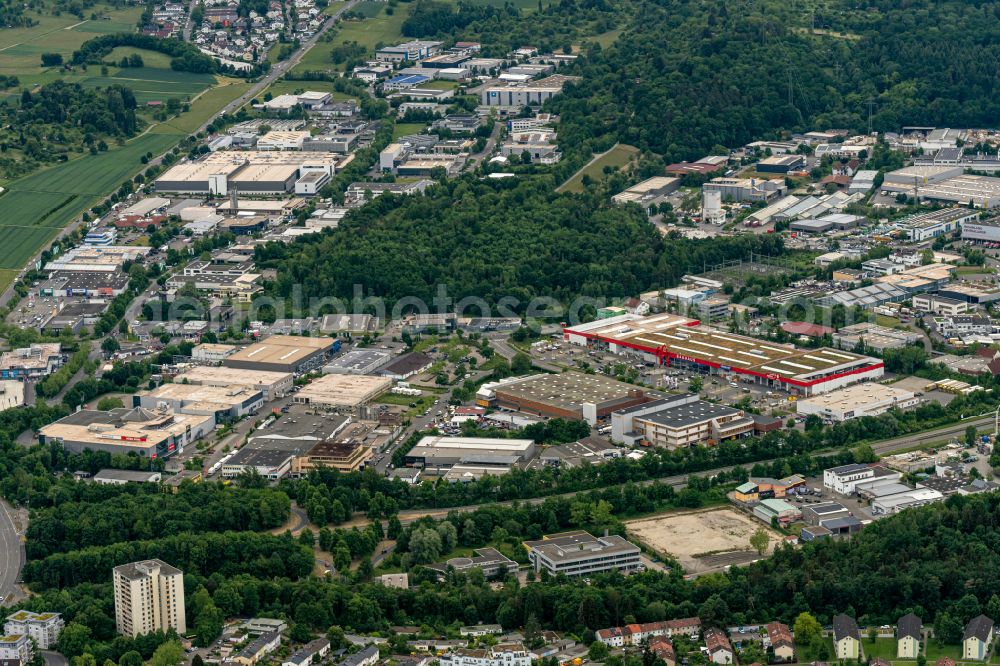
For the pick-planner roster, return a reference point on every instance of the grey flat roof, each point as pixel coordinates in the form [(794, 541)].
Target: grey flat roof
[(132, 571), (125, 475), (695, 412), (570, 546)]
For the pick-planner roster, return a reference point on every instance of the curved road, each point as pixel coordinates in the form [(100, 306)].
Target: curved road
[(11, 553)]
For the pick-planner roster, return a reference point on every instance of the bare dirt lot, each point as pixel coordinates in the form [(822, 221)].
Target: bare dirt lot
[(701, 540)]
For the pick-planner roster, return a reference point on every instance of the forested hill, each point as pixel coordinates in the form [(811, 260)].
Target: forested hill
[(685, 76), (491, 240)]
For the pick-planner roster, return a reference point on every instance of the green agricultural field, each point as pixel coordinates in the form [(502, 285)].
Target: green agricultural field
[(38, 206), (206, 105), (21, 48), (617, 157), (370, 32)]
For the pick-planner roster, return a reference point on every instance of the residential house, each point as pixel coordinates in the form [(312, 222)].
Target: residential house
[(258, 649), (977, 639), (782, 642), (719, 649), (846, 637), (663, 649), (304, 656), (908, 636), (367, 657)]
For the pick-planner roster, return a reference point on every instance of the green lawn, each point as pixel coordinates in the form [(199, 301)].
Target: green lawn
[(617, 157), (605, 39), (149, 58), (439, 85), (402, 129), (423, 402), (205, 106), (973, 270), (369, 33), (884, 648), (935, 651)]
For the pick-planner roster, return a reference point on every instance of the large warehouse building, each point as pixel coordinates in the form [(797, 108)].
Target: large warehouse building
[(571, 395), (271, 384), (945, 183), (678, 341), (281, 353), (147, 433), (444, 452), (250, 171), (222, 403), (856, 401), (343, 392)]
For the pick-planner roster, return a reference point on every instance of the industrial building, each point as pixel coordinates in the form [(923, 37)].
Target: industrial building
[(582, 554), (270, 463), (212, 353), (347, 452), (223, 403), (439, 452), (251, 171), (678, 341), (679, 421), (926, 226), (272, 384), (780, 164), (342, 392), (981, 231), (408, 51), (146, 433), (532, 93), (650, 193), (852, 402), (570, 395), (101, 259), (282, 353), (826, 223), (149, 597), (905, 499), (357, 362), (945, 183), (844, 479), (100, 284), (122, 477), (744, 189)]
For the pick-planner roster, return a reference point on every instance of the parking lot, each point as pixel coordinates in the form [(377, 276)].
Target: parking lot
[(725, 389), (817, 494)]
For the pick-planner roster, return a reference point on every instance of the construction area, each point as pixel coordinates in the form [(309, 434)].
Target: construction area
[(701, 541)]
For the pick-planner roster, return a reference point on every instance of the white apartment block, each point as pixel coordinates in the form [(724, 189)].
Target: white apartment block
[(504, 654), (44, 628), (149, 596), (581, 554), (16, 647)]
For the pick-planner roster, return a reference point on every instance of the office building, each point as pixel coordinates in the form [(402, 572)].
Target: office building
[(852, 402), (149, 596), (43, 628), (679, 421), (408, 51), (348, 452), (982, 231), (582, 554), (744, 189), (212, 353), (490, 561)]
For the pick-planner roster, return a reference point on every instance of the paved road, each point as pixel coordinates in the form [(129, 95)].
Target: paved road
[(881, 448), (491, 143), (11, 553), (502, 347), (54, 659)]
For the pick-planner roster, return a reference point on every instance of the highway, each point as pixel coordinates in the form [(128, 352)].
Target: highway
[(11, 553)]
